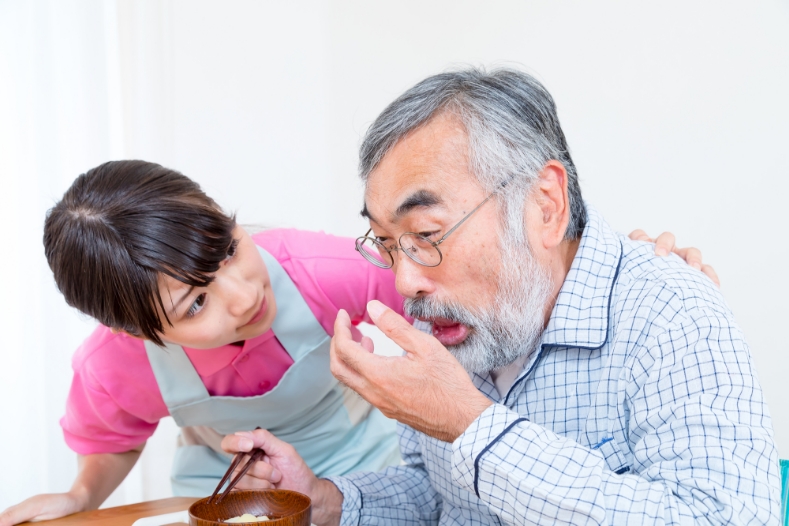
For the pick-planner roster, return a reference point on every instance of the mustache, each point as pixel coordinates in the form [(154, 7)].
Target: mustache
[(427, 307)]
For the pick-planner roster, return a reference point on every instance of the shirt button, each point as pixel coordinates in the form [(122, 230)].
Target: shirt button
[(244, 358), (264, 384)]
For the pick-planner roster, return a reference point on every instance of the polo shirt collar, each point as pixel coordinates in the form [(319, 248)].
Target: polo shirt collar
[(580, 317)]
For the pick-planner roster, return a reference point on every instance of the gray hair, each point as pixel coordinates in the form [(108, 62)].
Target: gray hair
[(512, 126)]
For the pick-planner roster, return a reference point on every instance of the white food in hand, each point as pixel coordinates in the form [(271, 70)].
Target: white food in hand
[(248, 517)]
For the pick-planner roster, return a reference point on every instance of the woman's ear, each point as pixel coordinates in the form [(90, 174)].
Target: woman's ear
[(115, 330)]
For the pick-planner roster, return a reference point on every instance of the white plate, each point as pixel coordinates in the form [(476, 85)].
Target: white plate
[(167, 518)]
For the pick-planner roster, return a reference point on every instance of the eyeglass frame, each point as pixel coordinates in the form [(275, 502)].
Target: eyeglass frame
[(360, 240)]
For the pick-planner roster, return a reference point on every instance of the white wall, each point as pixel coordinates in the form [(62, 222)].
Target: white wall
[(676, 113)]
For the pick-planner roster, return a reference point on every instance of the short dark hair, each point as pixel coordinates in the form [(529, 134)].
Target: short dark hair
[(122, 224)]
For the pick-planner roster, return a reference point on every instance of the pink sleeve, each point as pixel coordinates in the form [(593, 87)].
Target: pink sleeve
[(331, 275), (112, 405)]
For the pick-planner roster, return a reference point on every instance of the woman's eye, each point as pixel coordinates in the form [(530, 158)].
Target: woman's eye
[(429, 235), (197, 305), (231, 250)]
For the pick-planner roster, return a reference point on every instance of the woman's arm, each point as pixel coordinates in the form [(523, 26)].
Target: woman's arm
[(98, 477)]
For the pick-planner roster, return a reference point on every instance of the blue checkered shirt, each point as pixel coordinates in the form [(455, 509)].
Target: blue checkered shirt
[(641, 406)]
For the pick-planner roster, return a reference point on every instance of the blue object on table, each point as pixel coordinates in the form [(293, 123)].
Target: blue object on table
[(784, 492)]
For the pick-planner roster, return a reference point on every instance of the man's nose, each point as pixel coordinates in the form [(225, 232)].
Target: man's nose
[(411, 278)]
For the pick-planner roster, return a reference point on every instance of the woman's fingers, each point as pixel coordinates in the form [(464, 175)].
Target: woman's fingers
[(710, 272), (691, 255), (640, 235), (665, 244), (40, 507)]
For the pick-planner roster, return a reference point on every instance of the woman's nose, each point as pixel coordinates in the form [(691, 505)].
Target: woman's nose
[(411, 278), (240, 296)]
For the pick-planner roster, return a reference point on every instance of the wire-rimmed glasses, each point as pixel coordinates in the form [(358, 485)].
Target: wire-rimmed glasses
[(416, 246)]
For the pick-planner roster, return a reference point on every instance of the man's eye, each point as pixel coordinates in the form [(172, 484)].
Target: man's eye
[(197, 305), (231, 250)]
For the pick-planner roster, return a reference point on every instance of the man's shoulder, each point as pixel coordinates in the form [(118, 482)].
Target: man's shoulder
[(664, 290)]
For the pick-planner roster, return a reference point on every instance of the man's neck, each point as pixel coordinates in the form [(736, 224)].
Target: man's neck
[(558, 267)]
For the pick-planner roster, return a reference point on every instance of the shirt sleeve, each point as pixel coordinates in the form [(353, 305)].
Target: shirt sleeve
[(114, 404), (94, 423), (399, 495), (698, 448)]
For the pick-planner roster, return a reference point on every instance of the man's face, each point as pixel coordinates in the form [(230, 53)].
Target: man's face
[(423, 185)]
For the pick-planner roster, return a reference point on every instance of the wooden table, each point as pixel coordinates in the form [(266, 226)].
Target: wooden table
[(123, 515)]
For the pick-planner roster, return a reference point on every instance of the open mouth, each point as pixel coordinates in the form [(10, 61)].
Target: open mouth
[(448, 332)]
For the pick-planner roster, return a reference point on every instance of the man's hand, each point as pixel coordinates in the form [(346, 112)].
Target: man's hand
[(665, 244), (426, 388), (283, 468)]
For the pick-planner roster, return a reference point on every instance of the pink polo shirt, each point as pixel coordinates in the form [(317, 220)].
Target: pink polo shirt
[(114, 404)]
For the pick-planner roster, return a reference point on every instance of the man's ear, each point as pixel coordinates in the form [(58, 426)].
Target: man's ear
[(550, 195)]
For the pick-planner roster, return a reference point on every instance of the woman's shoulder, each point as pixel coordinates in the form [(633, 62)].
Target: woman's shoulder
[(291, 243), (107, 350)]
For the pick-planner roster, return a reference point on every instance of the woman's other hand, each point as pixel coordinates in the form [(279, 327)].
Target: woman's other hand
[(42, 507), (665, 244)]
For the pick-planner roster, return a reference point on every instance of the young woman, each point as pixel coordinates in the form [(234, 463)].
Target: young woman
[(200, 321)]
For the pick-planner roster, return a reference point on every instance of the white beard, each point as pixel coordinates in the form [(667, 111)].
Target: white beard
[(510, 328)]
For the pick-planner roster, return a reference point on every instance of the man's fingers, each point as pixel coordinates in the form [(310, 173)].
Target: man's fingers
[(253, 482), (245, 441), (367, 344), (640, 235), (664, 244), (395, 327), (263, 471), (347, 361), (342, 326)]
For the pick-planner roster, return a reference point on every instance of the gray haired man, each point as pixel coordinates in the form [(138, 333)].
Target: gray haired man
[(570, 377)]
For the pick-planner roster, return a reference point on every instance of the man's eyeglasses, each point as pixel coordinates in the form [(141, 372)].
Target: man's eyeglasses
[(416, 246)]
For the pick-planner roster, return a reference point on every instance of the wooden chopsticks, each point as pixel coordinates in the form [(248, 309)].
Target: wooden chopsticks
[(254, 456)]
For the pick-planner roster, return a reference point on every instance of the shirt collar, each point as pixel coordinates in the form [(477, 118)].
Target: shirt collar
[(580, 315)]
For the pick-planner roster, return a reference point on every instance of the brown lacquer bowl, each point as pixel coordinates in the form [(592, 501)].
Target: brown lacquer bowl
[(283, 507)]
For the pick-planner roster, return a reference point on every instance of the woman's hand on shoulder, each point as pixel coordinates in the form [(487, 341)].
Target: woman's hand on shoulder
[(42, 507), (665, 244)]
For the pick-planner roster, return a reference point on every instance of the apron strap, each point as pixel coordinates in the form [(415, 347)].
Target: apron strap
[(295, 326), (177, 378)]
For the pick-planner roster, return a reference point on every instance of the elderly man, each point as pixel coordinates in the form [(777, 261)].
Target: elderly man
[(570, 377)]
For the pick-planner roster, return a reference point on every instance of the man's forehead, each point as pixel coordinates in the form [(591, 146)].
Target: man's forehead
[(392, 206), (424, 169)]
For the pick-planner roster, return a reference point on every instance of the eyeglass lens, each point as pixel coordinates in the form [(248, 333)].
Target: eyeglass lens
[(416, 247), (420, 249), (374, 252)]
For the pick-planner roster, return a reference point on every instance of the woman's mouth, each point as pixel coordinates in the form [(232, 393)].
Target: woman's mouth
[(261, 312), (449, 332)]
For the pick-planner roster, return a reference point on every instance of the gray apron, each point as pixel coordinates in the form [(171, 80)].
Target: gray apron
[(333, 429)]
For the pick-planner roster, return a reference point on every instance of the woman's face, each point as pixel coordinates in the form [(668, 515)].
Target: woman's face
[(238, 305)]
